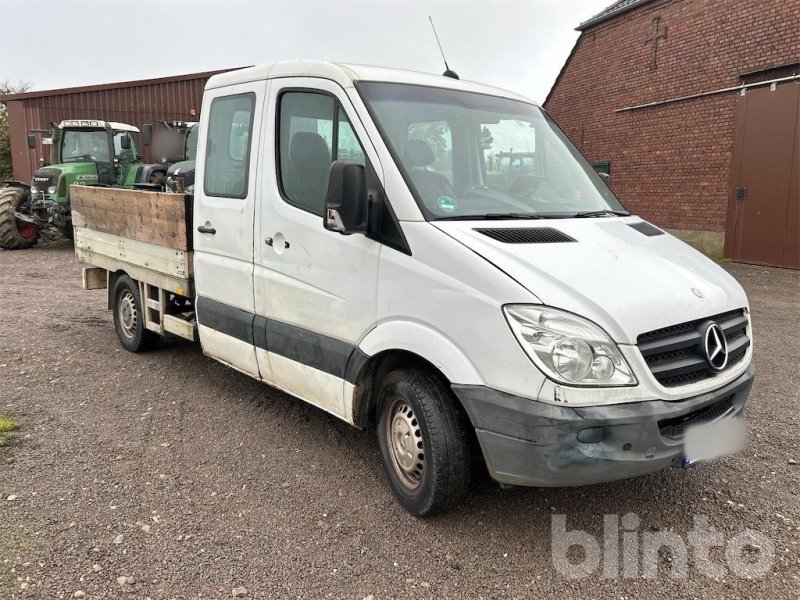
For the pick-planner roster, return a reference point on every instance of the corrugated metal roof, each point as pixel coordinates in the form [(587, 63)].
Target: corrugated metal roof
[(113, 86), (612, 11), (176, 98)]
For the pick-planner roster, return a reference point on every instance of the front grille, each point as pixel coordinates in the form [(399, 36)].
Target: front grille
[(46, 177), (675, 429), (676, 354)]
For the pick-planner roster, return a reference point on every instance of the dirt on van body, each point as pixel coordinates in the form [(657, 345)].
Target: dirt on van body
[(167, 475)]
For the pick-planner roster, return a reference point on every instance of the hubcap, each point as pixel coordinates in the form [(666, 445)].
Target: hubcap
[(127, 314), (404, 438), (26, 230)]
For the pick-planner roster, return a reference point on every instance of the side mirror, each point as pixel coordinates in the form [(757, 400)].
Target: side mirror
[(147, 134), (346, 201), (125, 142), (31, 141), (606, 178)]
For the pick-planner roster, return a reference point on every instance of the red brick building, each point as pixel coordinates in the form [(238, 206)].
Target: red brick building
[(694, 106)]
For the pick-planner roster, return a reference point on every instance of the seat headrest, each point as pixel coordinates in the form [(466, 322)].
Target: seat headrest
[(307, 145), (418, 154)]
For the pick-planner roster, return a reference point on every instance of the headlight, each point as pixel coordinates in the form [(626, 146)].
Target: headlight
[(51, 190), (34, 190), (568, 348)]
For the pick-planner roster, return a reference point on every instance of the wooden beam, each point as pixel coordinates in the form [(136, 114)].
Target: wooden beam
[(151, 217)]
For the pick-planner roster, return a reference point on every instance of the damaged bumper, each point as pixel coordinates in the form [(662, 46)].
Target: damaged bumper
[(530, 443)]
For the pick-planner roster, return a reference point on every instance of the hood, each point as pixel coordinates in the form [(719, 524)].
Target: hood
[(624, 274), (45, 177)]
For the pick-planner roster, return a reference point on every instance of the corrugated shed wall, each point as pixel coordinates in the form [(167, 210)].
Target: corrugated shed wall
[(136, 103)]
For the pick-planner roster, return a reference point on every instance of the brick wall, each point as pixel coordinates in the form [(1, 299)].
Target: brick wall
[(671, 164)]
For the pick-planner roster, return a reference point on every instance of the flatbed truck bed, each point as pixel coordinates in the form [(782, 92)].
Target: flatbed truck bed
[(147, 236)]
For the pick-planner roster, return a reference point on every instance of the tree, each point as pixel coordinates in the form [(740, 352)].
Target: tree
[(6, 87)]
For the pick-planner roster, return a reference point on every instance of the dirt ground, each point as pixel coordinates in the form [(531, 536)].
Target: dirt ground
[(167, 475)]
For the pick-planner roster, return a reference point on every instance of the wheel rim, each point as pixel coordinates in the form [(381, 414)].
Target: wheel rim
[(127, 314), (26, 230), (406, 447)]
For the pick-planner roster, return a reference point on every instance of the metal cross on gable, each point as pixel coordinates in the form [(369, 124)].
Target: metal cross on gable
[(659, 33)]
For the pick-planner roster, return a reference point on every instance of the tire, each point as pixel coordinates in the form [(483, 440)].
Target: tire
[(14, 234), (128, 317), (424, 442)]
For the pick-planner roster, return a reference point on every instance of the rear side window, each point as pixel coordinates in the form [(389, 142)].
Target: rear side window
[(313, 132), (230, 125)]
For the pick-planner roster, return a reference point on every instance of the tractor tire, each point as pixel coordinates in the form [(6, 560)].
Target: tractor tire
[(14, 234)]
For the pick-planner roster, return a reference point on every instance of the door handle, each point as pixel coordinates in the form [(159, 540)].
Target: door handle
[(270, 242), (207, 229)]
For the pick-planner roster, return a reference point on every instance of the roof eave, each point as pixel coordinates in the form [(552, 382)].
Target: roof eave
[(114, 85), (602, 18)]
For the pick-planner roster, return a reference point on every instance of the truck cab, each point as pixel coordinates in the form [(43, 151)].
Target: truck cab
[(434, 259)]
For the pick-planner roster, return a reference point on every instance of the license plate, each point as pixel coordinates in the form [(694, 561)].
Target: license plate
[(708, 441)]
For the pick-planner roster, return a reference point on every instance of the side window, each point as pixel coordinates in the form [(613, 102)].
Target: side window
[(310, 139), (435, 135), (121, 154), (230, 124), (305, 148), (347, 145)]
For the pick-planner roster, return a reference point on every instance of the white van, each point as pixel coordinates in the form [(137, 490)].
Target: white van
[(434, 258)]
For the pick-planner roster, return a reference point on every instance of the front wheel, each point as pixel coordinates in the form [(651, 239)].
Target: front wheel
[(129, 317), (423, 441)]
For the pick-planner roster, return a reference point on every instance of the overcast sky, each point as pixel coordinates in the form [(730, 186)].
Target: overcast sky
[(518, 45)]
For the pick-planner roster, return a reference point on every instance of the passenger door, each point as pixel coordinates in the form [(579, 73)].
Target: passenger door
[(316, 289), (225, 193)]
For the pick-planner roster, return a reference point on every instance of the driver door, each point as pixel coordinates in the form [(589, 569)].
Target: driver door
[(315, 289)]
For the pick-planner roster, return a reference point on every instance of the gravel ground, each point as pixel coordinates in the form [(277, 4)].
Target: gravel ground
[(167, 475)]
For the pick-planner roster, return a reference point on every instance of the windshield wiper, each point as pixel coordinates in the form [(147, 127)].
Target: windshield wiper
[(492, 217), (601, 213)]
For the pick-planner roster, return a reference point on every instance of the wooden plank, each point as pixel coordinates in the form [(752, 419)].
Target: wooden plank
[(152, 217), (157, 265), (181, 328), (94, 278)]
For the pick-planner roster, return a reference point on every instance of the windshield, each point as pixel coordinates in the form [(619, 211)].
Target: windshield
[(191, 143), (84, 145), (468, 155)]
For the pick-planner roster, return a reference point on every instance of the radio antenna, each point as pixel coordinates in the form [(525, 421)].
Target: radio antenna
[(448, 72)]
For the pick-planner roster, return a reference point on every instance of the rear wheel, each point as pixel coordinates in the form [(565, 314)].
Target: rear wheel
[(423, 441), (15, 234), (129, 317)]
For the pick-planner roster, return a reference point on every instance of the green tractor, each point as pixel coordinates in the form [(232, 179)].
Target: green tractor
[(85, 152), (180, 175)]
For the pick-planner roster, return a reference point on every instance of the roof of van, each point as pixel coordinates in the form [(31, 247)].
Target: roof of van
[(346, 75)]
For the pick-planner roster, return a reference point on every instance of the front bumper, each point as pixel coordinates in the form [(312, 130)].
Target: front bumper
[(531, 443)]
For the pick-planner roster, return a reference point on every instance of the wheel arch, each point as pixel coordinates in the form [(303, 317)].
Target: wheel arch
[(16, 184), (397, 344), (113, 277)]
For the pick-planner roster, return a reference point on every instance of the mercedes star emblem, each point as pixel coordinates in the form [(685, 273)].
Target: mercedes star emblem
[(716, 347)]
